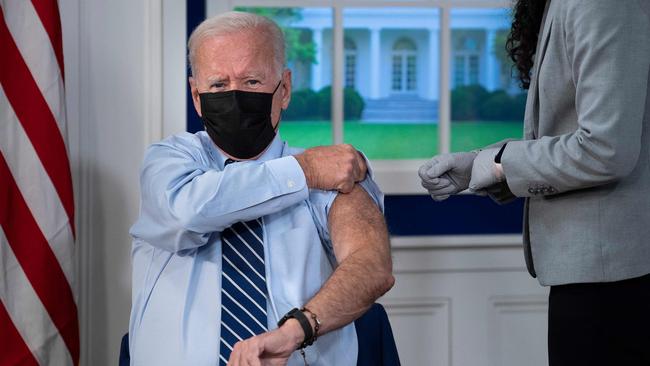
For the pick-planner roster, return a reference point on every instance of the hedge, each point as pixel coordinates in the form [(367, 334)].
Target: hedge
[(474, 103), (309, 105)]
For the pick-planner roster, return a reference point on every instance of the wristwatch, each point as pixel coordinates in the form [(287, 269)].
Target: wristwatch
[(295, 313)]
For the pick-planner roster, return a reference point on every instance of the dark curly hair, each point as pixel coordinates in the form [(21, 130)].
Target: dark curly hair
[(522, 40)]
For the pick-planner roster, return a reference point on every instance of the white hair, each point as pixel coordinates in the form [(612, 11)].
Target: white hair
[(236, 22)]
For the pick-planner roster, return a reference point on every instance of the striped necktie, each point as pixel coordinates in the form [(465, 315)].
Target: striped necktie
[(243, 285)]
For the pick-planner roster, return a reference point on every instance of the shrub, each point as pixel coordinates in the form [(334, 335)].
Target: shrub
[(474, 103), (466, 101), (497, 107), (307, 104), (324, 103), (353, 104), (303, 106)]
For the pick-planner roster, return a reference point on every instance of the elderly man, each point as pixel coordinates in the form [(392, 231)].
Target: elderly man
[(247, 251)]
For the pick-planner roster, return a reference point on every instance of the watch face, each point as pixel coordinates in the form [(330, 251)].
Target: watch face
[(287, 316)]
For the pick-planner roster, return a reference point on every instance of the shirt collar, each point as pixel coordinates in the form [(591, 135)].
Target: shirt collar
[(274, 151)]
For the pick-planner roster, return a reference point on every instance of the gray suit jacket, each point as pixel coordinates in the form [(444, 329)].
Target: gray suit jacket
[(584, 162)]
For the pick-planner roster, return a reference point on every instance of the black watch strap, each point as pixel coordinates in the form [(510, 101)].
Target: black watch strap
[(295, 313)]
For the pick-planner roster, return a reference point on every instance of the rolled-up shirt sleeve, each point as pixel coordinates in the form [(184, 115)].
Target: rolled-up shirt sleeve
[(184, 201)]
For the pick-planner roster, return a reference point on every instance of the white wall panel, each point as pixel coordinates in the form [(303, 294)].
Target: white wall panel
[(497, 312), (422, 329), (516, 323)]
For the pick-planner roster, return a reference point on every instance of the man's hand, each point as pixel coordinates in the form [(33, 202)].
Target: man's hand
[(447, 174), (272, 348), (485, 172), (335, 167)]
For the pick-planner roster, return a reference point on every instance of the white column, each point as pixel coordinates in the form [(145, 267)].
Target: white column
[(375, 61), (434, 64), (491, 64), (317, 68)]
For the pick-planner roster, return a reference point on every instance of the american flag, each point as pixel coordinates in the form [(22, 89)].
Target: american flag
[(38, 311)]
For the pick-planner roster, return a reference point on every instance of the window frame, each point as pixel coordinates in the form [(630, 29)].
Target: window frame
[(393, 176)]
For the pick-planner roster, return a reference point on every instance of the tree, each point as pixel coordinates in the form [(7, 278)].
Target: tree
[(299, 45)]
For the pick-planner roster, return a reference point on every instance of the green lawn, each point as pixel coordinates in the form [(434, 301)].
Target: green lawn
[(399, 140)]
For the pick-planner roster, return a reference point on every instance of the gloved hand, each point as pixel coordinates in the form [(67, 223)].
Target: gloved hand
[(447, 174), (484, 171)]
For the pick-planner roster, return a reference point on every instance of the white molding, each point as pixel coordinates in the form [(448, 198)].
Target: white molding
[(457, 254), (403, 305), (152, 71), (398, 176), (428, 307), (503, 305), (456, 242)]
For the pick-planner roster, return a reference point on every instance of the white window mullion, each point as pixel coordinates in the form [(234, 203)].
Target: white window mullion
[(444, 106), (337, 76)]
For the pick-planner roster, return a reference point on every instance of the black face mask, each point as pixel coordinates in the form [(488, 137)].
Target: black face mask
[(239, 122)]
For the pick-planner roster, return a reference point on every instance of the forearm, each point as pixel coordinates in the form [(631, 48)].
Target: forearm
[(244, 191), (565, 163), (360, 242), (351, 290)]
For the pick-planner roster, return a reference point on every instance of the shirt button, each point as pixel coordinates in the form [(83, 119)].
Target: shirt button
[(290, 183)]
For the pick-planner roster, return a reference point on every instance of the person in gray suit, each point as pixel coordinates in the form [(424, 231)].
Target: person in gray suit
[(583, 167)]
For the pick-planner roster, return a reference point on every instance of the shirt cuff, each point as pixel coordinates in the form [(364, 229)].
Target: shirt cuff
[(289, 176)]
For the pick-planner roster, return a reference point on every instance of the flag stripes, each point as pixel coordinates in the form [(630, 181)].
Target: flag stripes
[(27, 312), (10, 338), (32, 41), (35, 116), (38, 311), (38, 261), (42, 200), (48, 12)]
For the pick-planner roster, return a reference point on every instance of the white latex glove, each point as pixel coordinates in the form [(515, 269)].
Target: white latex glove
[(485, 172), (447, 174)]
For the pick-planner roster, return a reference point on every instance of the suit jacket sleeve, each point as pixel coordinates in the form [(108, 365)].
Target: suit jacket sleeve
[(608, 49)]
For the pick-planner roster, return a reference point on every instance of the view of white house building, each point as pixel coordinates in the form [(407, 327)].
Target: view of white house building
[(392, 56)]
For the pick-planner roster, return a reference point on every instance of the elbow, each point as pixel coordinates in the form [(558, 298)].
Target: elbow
[(385, 280), (621, 172), (621, 165), (387, 283), (611, 162)]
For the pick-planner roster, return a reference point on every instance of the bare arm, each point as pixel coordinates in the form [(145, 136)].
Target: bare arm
[(362, 249), (360, 241)]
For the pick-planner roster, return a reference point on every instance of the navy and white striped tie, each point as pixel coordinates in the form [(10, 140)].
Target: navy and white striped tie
[(243, 285)]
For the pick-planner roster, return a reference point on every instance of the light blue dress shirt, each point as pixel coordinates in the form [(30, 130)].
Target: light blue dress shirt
[(188, 198)]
